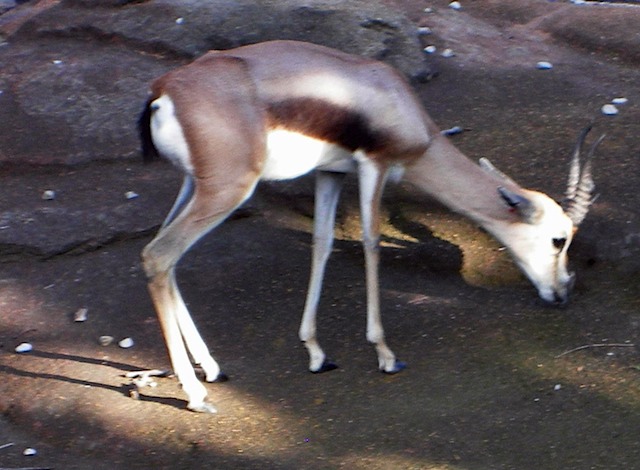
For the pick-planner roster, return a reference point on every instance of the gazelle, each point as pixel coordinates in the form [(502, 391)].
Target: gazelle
[(277, 110)]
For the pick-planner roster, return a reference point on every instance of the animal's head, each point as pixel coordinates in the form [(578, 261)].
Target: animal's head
[(539, 240)]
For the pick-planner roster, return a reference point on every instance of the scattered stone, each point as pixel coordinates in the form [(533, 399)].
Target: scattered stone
[(430, 49), (455, 6), (180, 20), (80, 315), (424, 31), (557, 387), (131, 195), (29, 452), (126, 343), (609, 110), (452, 130), (447, 53), (544, 65), (620, 100), (105, 340), (49, 195), (24, 348)]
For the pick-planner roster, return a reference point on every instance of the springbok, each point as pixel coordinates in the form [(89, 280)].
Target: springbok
[(277, 110)]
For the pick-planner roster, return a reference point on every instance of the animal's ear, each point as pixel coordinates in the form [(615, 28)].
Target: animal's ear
[(487, 166), (524, 207)]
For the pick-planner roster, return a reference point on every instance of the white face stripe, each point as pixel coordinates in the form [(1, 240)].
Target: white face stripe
[(291, 154), (167, 134)]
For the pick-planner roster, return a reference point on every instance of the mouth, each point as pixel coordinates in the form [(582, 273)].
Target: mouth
[(560, 297)]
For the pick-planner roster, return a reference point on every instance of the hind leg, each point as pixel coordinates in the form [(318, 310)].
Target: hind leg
[(204, 212)]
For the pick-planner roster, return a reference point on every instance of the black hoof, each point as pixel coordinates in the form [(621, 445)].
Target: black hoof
[(222, 377), (398, 367), (326, 367)]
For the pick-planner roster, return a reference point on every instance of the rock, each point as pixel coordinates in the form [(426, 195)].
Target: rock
[(82, 72)]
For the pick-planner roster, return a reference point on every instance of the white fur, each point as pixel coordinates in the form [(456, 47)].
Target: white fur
[(291, 154), (167, 134)]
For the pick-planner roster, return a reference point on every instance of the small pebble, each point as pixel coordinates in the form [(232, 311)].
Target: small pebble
[(452, 130), (81, 315), (448, 53), (544, 65), (619, 100), (430, 49), (49, 195), (57, 62), (131, 195), (455, 6), (609, 110), (557, 387), (126, 343), (105, 340), (180, 20), (428, 10), (24, 347), (29, 451), (424, 31)]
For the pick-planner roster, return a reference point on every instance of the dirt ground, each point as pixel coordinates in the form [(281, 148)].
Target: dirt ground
[(494, 379)]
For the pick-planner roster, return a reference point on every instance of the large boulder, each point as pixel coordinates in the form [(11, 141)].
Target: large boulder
[(75, 74)]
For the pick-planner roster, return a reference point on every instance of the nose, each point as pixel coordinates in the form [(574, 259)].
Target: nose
[(560, 300)]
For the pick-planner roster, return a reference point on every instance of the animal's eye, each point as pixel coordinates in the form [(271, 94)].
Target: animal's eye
[(559, 243)]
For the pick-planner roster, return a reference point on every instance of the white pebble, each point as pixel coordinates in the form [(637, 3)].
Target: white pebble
[(126, 343), (179, 20), (29, 451), (557, 387), (131, 195), (609, 110), (105, 340), (619, 100), (80, 315), (424, 30), (428, 10), (452, 130), (448, 53), (455, 6), (49, 195), (24, 347), (57, 62), (430, 49), (544, 65)]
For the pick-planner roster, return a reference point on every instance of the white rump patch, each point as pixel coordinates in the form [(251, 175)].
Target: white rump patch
[(167, 134), (291, 154)]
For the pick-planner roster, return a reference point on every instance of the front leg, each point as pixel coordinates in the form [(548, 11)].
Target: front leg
[(372, 178), (328, 186)]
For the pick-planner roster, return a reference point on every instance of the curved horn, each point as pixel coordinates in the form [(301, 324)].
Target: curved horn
[(580, 187)]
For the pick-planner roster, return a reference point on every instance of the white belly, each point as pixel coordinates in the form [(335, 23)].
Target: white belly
[(290, 154)]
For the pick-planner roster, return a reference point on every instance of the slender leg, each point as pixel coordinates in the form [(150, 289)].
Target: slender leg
[(203, 213), (328, 186), (186, 191), (372, 179)]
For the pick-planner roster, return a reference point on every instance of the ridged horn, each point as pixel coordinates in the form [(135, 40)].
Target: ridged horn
[(580, 186)]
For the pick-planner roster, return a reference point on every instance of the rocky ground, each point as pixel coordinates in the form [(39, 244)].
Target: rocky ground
[(494, 379)]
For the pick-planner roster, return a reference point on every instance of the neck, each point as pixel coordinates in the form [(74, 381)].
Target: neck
[(449, 176)]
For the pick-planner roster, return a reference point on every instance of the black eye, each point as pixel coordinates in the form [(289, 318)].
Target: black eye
[(559, 243)]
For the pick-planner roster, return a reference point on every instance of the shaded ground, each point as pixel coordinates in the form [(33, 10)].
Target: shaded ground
[(485, 387)]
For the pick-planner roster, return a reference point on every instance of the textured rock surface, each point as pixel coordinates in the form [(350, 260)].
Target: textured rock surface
[(77, 72)]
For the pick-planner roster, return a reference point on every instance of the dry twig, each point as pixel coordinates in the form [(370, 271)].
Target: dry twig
[(598, 345)]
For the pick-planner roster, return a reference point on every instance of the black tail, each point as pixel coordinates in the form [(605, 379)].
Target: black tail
[(149, 150)]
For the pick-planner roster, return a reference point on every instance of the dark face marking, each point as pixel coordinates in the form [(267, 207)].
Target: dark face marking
[(329, 122), (559, 243)]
